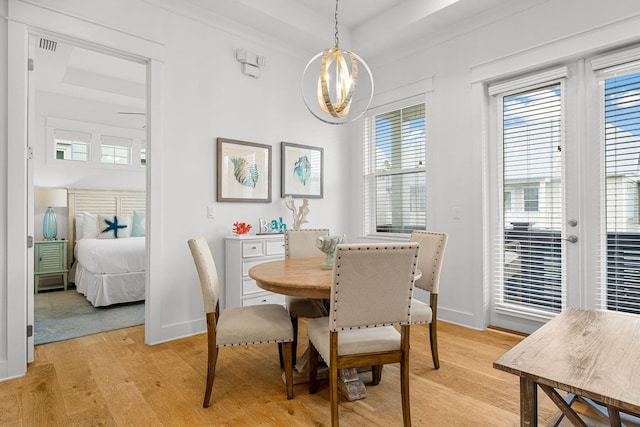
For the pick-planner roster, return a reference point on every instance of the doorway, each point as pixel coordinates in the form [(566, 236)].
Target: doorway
[(87, 122)]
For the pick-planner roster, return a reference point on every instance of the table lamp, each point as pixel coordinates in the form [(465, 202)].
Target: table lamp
[(51, 198)]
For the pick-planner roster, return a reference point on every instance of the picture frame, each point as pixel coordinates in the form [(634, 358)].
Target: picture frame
[(244, 171), (302, 171)]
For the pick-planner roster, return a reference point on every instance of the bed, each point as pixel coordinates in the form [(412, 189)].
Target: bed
[(107, 267)]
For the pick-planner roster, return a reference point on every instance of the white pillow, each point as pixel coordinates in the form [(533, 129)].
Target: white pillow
[(114, 227), (89, 225)]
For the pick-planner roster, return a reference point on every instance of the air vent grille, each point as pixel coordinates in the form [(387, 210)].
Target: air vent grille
[(47, 44)]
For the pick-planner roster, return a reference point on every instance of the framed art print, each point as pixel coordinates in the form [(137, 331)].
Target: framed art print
[(244, 171), (302, 171)]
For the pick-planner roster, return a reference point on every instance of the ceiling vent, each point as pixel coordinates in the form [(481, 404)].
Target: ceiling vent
[(47, 44)]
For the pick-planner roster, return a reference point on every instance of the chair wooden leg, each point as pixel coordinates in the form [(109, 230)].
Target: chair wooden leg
[(433, 337), (333, 378), (280, 355), (294, 323), (433, 330), (376, 374), (288, 369), (313, 369), (212, 357), (404, 378)]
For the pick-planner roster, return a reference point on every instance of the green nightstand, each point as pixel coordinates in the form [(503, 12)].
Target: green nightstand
[(50, 260)]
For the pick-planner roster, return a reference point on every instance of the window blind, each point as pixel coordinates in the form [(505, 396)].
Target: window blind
[(619, 288), (395, 171), (530, 259)]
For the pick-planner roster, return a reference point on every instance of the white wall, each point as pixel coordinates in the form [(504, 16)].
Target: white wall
[(454, 156)]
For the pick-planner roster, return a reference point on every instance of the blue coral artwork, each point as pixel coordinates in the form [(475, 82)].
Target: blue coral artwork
[(246, 173), (302, 170)]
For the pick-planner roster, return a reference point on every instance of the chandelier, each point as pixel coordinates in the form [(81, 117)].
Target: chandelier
[(337, 85)]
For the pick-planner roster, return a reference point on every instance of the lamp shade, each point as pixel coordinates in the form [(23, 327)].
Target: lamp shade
[(50, 197)]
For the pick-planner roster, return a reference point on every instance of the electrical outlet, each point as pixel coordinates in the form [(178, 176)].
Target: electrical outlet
[(456, 212), (211, 211)]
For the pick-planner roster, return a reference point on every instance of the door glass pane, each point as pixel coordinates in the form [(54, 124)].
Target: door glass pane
[(622, 183), (532, 204)]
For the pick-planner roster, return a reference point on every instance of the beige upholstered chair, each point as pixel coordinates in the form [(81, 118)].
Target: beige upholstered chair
[(302, 244), (371, 294), (239, 325), (432, 248)]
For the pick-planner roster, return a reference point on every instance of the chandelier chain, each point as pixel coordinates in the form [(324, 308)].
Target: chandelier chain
[(337, 39)]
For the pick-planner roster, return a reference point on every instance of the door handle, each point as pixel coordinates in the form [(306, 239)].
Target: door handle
[(571, 238)]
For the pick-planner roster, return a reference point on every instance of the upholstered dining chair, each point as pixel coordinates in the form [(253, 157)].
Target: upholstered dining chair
[(371, 294), (302, 244), (264, 323), (432, 248)]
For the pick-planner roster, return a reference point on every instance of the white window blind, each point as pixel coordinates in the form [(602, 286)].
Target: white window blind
[(395, 171), (620, 285), (71, 145), (530, 259)]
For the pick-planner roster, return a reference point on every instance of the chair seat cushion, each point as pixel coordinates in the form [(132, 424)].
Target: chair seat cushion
[(305, 307), (253, 325), (352, 341), (420, 312)]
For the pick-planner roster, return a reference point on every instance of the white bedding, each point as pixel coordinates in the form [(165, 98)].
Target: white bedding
[(110, 271), (112, 255)]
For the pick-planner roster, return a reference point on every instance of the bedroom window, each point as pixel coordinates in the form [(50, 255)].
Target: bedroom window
[(395, 169), (115, 150), (71, 145), (143, 157)]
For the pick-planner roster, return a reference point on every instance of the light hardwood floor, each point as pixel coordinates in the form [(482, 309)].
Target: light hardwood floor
[(114, 379)]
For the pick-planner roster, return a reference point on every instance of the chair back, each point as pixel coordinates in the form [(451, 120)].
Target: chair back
[(372, 285), (207, 273), (302, 243), (432, 247)]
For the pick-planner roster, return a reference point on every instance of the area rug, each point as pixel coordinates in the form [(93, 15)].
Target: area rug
[(62, 315)]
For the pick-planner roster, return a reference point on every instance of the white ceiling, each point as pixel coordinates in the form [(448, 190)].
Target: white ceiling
[(371, 28)]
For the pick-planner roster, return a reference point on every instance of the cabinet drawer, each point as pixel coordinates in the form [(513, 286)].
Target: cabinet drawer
[(264, 299), (275, 247), (252, 248), (246, 265), (249, 286)]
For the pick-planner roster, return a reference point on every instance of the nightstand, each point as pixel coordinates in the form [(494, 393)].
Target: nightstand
[(50, 260)]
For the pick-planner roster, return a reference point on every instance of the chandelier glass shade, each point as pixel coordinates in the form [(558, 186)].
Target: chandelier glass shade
[(337, 85)]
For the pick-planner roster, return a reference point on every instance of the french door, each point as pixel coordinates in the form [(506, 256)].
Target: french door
[(565, 206)]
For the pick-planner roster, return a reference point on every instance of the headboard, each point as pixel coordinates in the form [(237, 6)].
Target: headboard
[(99, 201)]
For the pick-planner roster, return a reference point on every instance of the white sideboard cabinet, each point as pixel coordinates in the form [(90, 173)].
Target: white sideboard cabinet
[(241, 253)]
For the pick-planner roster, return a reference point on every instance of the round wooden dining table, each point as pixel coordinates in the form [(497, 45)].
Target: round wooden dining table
[(298, 277)]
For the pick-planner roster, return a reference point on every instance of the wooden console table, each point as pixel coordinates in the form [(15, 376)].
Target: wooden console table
[(592, 354)]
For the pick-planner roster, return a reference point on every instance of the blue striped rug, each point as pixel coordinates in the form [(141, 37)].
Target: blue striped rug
[(62, 315)]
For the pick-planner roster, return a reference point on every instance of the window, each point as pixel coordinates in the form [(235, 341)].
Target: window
[(71, 145), (143, 157), (115, 150), (395, 170), (531, 199)]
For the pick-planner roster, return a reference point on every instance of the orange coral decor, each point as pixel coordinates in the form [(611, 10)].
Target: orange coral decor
[(241, 227)]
